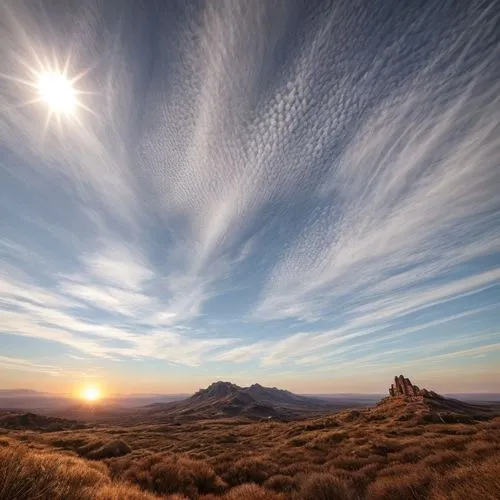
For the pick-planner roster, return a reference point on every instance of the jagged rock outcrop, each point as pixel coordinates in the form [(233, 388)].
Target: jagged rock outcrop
[(402, 386), (217, 390)]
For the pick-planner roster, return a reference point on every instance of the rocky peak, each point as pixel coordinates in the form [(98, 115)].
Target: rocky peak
[(217, 390), (402, 386)]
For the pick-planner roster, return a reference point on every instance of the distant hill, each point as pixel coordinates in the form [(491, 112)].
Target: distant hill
[(19, 392), (29, 400), (256, 392), (479, 397), (222, 399), (35, 422)]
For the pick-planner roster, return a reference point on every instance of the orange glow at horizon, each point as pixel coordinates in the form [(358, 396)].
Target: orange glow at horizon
[(91, 393)]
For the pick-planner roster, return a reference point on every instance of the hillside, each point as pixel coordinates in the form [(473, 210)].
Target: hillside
[(35, 422), (408, 401), (225, 399), (407, 447)]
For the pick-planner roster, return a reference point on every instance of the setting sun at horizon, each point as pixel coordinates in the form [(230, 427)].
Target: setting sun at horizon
[(91, 393)]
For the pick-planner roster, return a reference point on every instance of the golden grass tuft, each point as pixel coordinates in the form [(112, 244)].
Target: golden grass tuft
[(99, 450), (470, 481), (252, 492), (324, 486), (281, 483), (250, 470), (25, 475), (122, 492)]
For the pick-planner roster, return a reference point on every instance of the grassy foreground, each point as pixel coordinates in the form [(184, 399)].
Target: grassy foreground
[(382, 453)]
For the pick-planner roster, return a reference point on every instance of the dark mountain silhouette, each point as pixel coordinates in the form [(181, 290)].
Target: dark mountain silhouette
[(222, 399), (255, 392)]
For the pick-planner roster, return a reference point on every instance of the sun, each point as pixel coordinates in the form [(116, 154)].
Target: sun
[(55, 87), (91, 393), (57, 92)]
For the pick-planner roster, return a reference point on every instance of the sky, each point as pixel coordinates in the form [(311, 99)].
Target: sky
[(300, 194)]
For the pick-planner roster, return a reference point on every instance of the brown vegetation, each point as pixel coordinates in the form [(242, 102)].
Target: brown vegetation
[(26, 474), (387, 452), (97, 450)]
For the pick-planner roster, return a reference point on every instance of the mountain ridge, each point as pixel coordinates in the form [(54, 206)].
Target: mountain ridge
[(223, 398)]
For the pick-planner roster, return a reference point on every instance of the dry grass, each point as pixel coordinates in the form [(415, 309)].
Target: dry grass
[(324, 486), (99, 450), (251, 491), (363, 454), (164, 475), (25, 474)]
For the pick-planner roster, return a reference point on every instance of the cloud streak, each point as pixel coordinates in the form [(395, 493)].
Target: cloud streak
[(19, 364), (323, 183)]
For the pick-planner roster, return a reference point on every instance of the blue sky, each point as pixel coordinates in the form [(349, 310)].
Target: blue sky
[(289, 193)]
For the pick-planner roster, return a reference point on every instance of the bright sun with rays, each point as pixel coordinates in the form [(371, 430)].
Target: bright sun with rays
[(56, 89), (57, 92), (91, 393)]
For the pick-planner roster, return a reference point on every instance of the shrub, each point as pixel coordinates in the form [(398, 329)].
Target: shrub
[(350, 463), (99, 450), (281, 483), (323, 486), (482, 448), (411, 454), (251, 492), (386, 447), (227, 438), (399, 487), (86, 448), (456, 443), (68, 443), (121, 492), (113, 449), (172, 475), (298, 441), (333, 437), (323, 424), (442, 459), (250, 470)]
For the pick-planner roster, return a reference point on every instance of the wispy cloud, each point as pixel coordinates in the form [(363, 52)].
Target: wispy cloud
[(250, 188), (411, 199), (244, 353), (25, 365)]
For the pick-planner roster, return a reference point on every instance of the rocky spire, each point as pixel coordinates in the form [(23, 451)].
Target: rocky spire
[(402, 386)]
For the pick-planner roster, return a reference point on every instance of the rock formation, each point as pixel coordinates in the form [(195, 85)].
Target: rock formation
[(403, 387)]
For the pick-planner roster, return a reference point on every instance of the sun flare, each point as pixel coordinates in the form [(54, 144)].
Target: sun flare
[(56, 87), (91, 393), (57, 92)]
